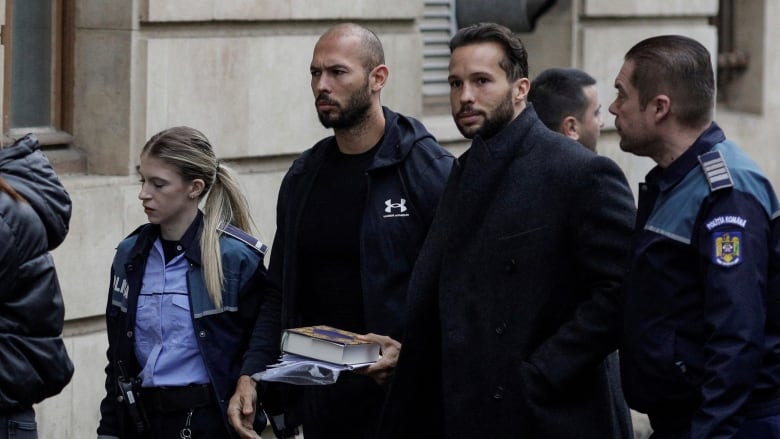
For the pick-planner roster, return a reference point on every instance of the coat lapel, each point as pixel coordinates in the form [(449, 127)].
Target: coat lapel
[(475, 183)]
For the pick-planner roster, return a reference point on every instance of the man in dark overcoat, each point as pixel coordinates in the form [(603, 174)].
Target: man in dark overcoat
[(514, 300)]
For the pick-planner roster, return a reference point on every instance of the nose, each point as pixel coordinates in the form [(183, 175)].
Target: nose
[(613, 108), (466, 94), (320, 84), (143, 194), (461, 95)]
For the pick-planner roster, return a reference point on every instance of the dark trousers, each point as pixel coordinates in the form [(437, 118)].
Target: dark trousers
[(18, 424), (758, 428), (765, 428), (205, 423), (348, 409)]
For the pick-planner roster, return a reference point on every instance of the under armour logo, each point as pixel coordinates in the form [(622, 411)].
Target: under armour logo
[(390, 205)]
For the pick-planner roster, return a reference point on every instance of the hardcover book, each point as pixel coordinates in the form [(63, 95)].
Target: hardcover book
[(326, 343)]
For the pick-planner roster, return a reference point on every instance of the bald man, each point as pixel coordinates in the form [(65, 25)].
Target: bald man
[(352, 213)]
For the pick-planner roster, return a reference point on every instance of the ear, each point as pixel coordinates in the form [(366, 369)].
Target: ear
[(196, 188), (569, 127), (378, 77), (661, 106), (520, 89)]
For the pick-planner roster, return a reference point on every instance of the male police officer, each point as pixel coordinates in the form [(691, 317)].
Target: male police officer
[(701, 353)]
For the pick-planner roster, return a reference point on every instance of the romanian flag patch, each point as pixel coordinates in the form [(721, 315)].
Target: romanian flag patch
[(727, 248)]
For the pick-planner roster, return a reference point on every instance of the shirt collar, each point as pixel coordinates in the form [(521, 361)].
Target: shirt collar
[(190, 241), (667, 178)]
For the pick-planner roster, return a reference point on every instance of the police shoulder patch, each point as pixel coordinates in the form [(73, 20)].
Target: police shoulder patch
[(732, 220), (715, 170), (244, 237), (727, 248)]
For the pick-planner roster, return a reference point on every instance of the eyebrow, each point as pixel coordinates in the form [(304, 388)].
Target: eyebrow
[(619, 84), (472, 75), (329, 67)]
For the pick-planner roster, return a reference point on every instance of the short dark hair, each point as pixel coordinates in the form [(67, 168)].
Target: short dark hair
[(515, 62), (679, 67), (558, 93), (372, 52)]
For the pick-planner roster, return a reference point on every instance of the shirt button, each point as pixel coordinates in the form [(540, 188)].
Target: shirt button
[(499, 393), (501, 328), (129, 334), (202, 333), (178, 247)]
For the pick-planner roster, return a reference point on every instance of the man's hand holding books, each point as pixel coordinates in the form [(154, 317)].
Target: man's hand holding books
[(383, 369)]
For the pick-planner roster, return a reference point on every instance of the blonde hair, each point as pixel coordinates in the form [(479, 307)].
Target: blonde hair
[(190, 152), (6, 188)]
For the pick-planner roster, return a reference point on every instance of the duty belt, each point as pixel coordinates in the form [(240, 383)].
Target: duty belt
[(172, 399)]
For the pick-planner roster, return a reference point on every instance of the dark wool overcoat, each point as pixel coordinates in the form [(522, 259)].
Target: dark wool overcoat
[(514, 300)]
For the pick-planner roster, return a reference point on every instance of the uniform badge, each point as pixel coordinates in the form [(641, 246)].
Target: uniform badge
[(727, 248)]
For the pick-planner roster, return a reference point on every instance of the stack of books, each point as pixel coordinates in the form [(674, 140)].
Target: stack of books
[(326, 343), (316, 355)]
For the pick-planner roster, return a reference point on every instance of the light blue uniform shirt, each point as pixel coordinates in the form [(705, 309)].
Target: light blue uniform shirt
[(165, 345)]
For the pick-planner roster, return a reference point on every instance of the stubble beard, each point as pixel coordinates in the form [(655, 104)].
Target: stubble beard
[(640, 145), (355, 112), (494, 122)]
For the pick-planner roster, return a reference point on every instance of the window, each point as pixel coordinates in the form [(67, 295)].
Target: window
[(37, 41), (437, 27)]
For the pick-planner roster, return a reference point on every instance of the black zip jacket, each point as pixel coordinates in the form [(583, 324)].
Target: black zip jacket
[(405, 181), (409, 164)]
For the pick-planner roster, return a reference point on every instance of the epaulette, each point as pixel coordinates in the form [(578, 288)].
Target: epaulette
[(244, 237), (715, 170)]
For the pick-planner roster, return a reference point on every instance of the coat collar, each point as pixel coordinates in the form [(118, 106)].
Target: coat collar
[(476, 179), (401, 133), (667, 178), (508, 142), (148, 233)]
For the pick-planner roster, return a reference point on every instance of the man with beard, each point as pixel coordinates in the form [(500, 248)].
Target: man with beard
[(352, 213), (513, 302), (701, 351)]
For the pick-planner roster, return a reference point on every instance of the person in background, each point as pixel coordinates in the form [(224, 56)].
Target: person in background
[(352, 213), (701, 349), (567, 101), (513, 302), (186, 289), (34, 218)]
